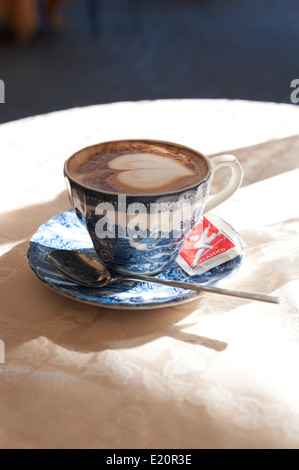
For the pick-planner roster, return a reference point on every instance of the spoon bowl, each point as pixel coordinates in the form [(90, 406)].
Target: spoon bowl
[(79, 268)]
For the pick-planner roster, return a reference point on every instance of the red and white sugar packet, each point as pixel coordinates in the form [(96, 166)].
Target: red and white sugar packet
[(211, 242)]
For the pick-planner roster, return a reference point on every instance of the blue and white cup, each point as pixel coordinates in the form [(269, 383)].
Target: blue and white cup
[(144, 233)]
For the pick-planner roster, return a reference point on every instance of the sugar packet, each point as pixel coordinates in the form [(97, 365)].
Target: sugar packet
[(211, 243)]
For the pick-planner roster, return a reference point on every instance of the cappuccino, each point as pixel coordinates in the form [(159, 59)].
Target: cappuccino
[(137, 167)]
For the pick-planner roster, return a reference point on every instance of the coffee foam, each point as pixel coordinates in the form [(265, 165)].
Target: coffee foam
[(137, 167)]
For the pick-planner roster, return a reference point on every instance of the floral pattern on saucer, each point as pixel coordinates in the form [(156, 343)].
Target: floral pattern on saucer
[(64, 231)]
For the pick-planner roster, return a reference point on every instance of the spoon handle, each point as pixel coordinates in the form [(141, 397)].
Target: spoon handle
[(210, 289)]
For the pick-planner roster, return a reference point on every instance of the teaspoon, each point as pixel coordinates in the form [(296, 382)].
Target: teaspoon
[(86, 271)]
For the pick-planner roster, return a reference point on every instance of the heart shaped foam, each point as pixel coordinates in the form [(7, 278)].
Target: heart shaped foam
[(147, 171)]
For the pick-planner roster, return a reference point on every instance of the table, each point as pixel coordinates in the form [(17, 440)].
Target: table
[(213, 373)]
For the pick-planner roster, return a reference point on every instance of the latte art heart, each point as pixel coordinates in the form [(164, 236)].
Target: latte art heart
[(147, 171)]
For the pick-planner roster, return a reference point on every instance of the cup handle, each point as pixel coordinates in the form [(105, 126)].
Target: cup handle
[(234, 183)]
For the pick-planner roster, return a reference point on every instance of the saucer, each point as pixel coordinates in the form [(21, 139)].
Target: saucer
[(64, 231)]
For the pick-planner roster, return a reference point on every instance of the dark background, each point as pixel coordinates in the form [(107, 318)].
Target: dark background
[(123, 50)]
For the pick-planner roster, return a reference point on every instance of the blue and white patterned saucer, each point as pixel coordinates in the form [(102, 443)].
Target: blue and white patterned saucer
[(64, 231)]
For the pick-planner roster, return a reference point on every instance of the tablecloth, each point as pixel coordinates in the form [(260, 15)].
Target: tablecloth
[(217, 372)]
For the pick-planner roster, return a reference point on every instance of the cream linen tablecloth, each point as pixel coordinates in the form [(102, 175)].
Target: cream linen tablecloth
[(214, 373)]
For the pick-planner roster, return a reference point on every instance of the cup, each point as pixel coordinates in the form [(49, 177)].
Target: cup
[(144, 232)]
